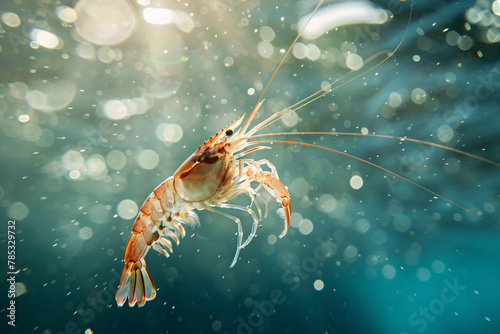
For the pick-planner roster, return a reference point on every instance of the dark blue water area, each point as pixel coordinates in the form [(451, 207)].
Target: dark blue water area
[(93, 117)]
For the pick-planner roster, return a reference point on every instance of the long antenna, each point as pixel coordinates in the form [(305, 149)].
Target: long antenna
[(322, 92), (379, 167), (257, 105), (418, 141)]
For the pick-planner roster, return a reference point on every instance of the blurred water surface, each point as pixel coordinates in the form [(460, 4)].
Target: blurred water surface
[(101, 101)]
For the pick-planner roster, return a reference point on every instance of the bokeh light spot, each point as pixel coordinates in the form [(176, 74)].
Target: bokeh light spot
[(418, 96), (45, 38), (388, 271), (353, 61), (11, 19), (104, 22), (127, 209), (356, 182), (318, 285), (18, 210), (116, 159), (148, 159), (306, 227), (85, 233), (423, 274)]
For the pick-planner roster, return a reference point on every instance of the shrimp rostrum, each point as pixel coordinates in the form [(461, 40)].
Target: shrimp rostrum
[(214, 174)]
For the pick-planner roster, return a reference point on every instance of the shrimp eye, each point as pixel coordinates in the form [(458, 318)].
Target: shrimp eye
[(229, 133)]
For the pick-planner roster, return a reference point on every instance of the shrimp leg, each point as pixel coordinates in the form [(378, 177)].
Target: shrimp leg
[(254, 217), (238, 222)]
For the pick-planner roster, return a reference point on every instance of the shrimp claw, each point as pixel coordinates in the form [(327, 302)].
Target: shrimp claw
[(274, 186)]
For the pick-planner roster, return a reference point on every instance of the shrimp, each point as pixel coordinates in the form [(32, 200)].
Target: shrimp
[(213, 175), (217, 172)]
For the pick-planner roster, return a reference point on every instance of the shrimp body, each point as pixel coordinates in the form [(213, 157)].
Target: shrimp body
[(213, 175), (153, 227)]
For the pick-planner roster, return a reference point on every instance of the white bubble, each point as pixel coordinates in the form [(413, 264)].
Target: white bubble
[(474, 15), (85, 233), (353, 61), (291, 119), (402, 223), (351, 253), (299, 50), (445, 133), (423, 274), (36, 99), (295, 219), (18, 210), (271, 239), (362, 225), (158, 15), (395, 100), (306, 227), (74, 175), (169, 132), (66, 14), (115, 109), (418, 95), (148, 159), (299, 187), (51, 96), (356, 182), (20, 289), (495, 7), (86, 51), (319, 285), (104, 22), (313, 52), (44, 38), (127, 209), (216, 326), (465, 43), (72, 160), (327, 203), (228, 61), (116, 159), (388, 271), (23, 118), (438, 266), (18, 89), (11, 19), (96, 167), (265, 49), (121, 109), (452, 37), (450, 77), (105, 54), (267, 34)]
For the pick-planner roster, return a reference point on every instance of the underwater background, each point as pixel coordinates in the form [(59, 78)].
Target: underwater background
[(100, 101)]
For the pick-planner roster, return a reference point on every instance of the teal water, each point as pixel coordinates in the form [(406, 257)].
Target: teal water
[(95, 113)]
